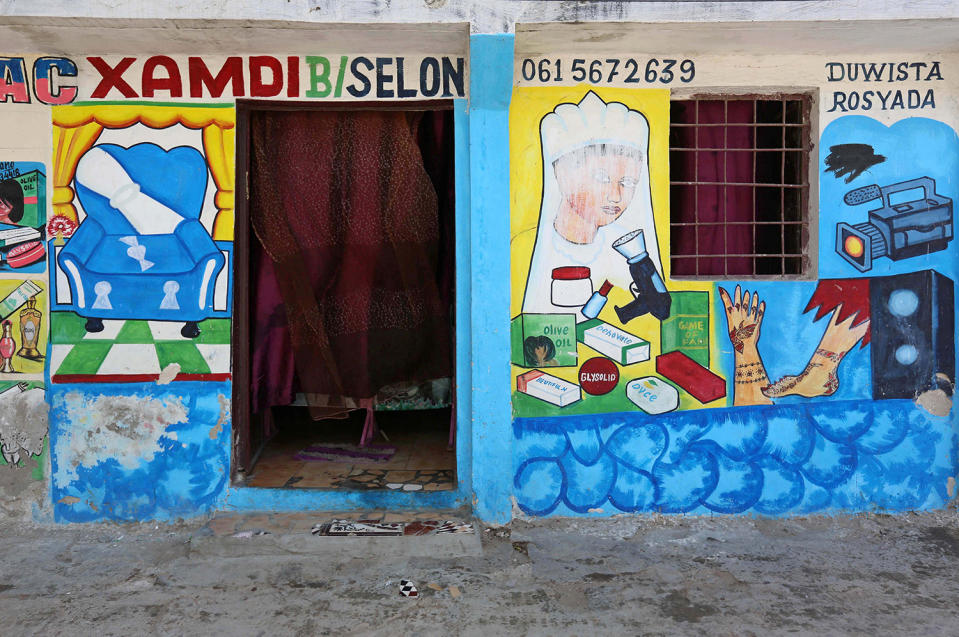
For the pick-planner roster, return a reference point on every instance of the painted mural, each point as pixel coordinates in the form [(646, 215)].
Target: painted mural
[(892, 222), (141, 243), (834, 394), (595, 326), (822, 395)]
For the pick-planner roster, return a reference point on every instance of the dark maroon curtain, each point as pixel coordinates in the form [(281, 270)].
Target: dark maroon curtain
[(273, 373), (346, 296), (436, 142), (719, 212)]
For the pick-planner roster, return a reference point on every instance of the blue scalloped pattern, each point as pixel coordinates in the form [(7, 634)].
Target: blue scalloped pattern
[(775, 460)]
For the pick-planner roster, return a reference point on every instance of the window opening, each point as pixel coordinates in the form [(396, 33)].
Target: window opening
[(739, 186)]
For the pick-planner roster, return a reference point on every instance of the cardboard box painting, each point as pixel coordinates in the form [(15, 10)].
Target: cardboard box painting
[(543, 340), (687, 328)]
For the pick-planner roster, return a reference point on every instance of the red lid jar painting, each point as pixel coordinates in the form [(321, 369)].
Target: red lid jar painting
[(572, 286)]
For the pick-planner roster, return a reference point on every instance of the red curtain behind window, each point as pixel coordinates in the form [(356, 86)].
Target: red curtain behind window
[(716, 163)]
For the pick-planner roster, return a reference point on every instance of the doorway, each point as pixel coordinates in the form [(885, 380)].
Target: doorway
[(344, 304)]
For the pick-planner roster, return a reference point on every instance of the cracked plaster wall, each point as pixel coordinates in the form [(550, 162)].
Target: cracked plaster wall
[(23, 453)]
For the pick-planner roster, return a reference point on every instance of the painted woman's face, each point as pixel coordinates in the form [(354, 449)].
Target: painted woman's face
[(598, 187), (540, 354), (5, 209)]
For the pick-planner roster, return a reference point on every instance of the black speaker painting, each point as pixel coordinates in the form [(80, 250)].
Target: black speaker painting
[(913, 334)]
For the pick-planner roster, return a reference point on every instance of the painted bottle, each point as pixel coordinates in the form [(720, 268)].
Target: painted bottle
[(30, 318), (597, 301), (7, 347)]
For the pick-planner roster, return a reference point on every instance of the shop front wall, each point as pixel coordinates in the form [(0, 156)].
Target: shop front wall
[(828, 390), (118, 385)]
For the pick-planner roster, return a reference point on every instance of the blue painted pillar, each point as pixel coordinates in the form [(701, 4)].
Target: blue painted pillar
[(491, 84)]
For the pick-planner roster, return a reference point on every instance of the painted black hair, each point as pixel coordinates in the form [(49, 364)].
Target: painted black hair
[(532, 343), (12, 193)]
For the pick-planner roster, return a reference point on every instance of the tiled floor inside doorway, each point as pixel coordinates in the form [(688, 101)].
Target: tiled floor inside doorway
[(422, 460)]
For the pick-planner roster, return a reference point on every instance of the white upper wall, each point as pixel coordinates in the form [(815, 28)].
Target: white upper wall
[(484, 16)]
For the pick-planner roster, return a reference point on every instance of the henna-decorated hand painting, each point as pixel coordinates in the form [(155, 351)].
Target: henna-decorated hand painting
[(744, 317)]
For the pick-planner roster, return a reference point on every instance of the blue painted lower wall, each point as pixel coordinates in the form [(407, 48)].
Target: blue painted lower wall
[(138, 451), (852, 456)]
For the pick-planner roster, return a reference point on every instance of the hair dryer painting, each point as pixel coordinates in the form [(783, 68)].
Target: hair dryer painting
[(647, 287)]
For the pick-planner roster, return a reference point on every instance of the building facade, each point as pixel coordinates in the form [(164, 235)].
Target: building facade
[(704, 256)]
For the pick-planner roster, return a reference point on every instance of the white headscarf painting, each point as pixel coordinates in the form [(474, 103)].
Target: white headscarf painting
[(595, 190)]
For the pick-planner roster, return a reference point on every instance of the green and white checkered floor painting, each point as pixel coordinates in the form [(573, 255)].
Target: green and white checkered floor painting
[(136, 350)]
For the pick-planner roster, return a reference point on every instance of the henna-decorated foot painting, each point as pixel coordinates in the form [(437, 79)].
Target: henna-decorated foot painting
[(821, 376), (815, 380)]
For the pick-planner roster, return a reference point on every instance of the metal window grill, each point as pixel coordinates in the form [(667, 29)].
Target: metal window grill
[(739, 186)]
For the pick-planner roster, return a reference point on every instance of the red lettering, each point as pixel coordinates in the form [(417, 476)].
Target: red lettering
[(112, 77), (292, 76), (171, 82), (231, 71), (47, 72), (257, 87), (13, 80)]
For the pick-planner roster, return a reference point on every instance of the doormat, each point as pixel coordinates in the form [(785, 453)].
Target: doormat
[(344, 452), (336, 528), (358, 528)]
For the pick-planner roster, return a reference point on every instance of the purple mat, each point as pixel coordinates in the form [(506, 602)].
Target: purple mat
[(345, 451)]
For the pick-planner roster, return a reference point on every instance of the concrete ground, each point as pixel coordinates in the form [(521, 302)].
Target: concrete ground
[(869, 574)]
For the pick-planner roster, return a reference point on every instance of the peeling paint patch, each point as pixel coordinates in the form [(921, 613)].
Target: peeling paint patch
[(127, 429), (936, 401), (19, 481), (168, 374), (68, 499), (23, 423), (951, 487), (224, 416), (137, 451)]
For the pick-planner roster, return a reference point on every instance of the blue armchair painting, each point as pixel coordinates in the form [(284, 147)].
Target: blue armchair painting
[(141, 252)]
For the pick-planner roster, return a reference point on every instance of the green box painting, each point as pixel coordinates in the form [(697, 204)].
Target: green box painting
[(543, 340), (34, 198), (687, 328)]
